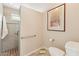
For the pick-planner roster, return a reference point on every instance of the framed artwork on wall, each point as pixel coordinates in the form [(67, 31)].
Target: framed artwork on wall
[(56, 19)]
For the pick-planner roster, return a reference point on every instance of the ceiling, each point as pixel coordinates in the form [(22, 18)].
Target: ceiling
[(12, 5), (40, 7)]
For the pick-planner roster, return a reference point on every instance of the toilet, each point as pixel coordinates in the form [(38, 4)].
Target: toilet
[(53, 51), (72, 48)]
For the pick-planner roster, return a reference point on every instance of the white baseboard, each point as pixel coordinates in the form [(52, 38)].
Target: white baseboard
[(28, 54)]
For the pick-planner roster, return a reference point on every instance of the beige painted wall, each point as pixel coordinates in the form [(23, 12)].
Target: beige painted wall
[(31, 24), (72, 28)]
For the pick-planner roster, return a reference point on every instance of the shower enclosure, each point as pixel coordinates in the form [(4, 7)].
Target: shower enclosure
[(9, 30)]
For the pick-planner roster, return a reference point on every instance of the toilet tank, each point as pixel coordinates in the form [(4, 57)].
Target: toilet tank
[(72, 48)]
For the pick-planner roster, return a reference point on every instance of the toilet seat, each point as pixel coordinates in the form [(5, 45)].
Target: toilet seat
[(56, 51)]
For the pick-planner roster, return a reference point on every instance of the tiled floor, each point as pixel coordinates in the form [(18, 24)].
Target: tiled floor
[(15, 52), (11, 52)]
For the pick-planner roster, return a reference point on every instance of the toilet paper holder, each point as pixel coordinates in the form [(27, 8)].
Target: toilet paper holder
[(51, 40)]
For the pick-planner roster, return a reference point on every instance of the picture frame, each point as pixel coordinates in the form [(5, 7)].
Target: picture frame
[(56, 19)]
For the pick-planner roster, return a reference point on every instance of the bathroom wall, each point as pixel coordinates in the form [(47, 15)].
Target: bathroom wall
[(72, 28), (31, 24)]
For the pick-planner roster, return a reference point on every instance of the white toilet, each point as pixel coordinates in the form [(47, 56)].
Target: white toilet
[(53, 51), (72, 48)]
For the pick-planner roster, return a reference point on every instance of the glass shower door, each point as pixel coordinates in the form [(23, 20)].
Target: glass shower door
[(1, 14), (10, 43), (9, 30)]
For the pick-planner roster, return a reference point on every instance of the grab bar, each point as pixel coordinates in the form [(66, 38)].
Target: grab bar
[(31, 36)]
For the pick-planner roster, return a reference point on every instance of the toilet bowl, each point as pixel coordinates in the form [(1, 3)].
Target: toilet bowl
[(72, 48), (53, 51)]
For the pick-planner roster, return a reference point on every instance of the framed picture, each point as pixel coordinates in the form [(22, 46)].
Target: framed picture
[(56, 18)]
